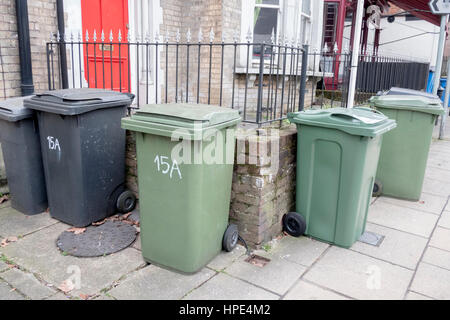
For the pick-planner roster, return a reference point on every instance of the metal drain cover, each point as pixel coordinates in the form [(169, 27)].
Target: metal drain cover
[(371, 238), (110, 237)]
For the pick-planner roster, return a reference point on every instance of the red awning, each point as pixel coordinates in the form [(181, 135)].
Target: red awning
[(424, 11)]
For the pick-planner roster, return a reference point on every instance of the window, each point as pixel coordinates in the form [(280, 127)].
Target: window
[(293, 20), (330, 22), (265, 25)]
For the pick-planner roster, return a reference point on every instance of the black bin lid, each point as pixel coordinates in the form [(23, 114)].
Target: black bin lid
[(13, 110), (77, 101)]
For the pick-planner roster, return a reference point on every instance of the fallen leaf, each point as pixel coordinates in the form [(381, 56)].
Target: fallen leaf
[(84, 296), (6, 241), (125, 216), (4, 198), (66, 286), (77, 230), (13, 289), (99, 223)]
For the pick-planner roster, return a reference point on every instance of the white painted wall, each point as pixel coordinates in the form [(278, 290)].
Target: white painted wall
[(393, 42)]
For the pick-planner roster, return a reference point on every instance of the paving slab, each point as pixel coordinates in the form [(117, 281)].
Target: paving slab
[(154, 283), (415, 296), (401, 218), (277, 276), (437, 160), (137, 243), (436, 187), (302, 250), (398, 247), (359, 276), (225, 287), (27, 284), (439, 174), (432, 281), (307, 291), (441, 239), (3, 266), (437, 257), (444, 221), (14, 223), (6, 293), (225, 259), (58, 296), (428, 203), (38, 254)]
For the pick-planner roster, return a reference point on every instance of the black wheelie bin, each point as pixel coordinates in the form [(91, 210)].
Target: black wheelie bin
[(19, 136), (83, 151)]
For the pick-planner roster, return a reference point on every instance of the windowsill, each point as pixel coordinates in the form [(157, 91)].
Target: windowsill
[(309, 73)]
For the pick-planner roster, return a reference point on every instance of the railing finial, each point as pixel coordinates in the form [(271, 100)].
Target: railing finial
[(167, 36), (211, 35), (200, 35), (272, 36), (94, 37), (188, 35), (111, 37), (235, 36), (87, 35), (119, 36), (335, 49), (102, 36), (249, 35), (178, 36)]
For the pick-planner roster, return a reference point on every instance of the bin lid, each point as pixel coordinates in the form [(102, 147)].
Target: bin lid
[(408, 102), (13, 110), (185, 115), (77, 101), (408, 92), (356, 121)]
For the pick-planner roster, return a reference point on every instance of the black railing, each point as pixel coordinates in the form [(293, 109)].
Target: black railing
[(379, 73), (263, 81)]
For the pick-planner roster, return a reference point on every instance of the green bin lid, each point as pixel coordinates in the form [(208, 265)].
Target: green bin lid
[(77, 101), (409, 103), (13, 110), (356, 121), (185, 115)]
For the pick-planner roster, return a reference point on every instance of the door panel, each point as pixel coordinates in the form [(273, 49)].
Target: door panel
[(106, 64)]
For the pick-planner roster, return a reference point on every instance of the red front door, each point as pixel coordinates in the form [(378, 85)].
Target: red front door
[(105, 64)]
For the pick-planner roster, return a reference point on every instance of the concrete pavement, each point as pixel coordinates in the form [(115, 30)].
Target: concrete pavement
[(412, 262)]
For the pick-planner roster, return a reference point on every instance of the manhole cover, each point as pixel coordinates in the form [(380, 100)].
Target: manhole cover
[(110, 237), (371, 238)]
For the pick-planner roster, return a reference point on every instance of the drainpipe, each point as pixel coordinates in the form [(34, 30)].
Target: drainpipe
[(62, 45), (23, 32)]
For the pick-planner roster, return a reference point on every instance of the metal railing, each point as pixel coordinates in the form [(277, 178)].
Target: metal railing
[(264, 81)]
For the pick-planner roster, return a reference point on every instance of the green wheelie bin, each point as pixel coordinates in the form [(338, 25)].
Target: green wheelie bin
[(404, 154), (337, 157), (185, 157)]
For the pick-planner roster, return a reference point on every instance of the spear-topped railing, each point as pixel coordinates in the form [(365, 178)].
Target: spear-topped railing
[(263, 80)]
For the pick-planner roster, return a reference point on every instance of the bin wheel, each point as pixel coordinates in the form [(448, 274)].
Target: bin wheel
[(377, 189), (126, 202), (230, 238), (294, 224)]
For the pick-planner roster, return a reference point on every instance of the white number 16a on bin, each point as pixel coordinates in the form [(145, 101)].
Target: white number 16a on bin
[(167, 168)]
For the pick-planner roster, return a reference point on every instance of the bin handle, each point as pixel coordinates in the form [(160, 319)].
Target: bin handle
[(360, 119)]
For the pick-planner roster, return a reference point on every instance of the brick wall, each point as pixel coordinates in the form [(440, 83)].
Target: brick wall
[(42, 21), (263, 187)]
